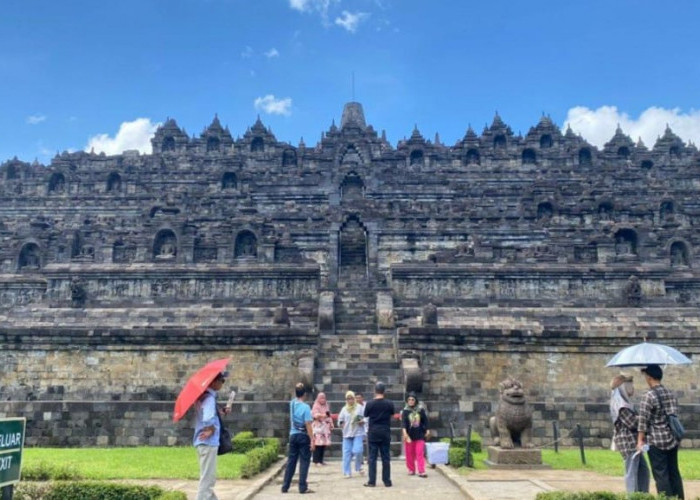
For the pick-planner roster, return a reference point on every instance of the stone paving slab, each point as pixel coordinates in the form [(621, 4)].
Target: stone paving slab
[(443, 483), (328, 483)]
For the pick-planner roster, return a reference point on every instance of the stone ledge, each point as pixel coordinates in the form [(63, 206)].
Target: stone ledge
[(521, 458)]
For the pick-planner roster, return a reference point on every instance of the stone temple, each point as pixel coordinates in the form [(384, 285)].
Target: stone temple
[(438, 268)]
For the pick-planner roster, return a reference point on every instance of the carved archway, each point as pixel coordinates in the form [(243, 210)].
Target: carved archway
[(352, 258), (114, 183), (257, 145), (529, 157), (165, 245), (499, 142), (168, 144), (29, 258), (416, 157), (545, 141), (57, 183), (679, 254), (213, 143), (229, 181), (246, 246), (289, 158), (585, 158), (666, 210), (626, 242), (545, 210), (352, 187), (473, 157)]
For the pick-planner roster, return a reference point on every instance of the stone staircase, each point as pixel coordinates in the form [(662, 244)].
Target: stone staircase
[(356, 357), (355, 311), (356, 362)]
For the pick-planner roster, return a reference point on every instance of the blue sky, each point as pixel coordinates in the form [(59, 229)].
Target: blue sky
[(81, 74)]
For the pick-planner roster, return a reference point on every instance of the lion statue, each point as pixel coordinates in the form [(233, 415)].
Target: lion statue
[(512, 424)]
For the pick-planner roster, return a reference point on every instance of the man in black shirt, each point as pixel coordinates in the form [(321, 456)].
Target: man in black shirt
[(379, 411)]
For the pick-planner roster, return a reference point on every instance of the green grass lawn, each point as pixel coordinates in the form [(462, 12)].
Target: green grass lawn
[(602, 461), (181, 462), (131, 463)]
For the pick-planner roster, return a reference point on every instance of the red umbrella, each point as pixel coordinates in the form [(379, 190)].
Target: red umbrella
[(196, 386)]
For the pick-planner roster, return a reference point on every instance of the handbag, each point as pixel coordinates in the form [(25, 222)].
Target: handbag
[(225, 438), (672, 420)]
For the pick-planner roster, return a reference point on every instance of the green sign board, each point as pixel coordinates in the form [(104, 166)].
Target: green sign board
[(11, 443)]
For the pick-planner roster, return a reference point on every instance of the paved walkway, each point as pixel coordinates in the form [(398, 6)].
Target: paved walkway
[(443, 483)]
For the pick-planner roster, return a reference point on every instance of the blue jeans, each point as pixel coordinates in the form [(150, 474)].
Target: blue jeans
[(383, 447), (350, 447), (299, 449)]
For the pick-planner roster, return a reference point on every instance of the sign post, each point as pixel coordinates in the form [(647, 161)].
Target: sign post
[(11, 444)]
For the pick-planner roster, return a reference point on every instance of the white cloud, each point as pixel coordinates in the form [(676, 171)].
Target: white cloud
[(319, 6), (132, 135), (311, 5), (598, 126), (273, 52), (35, 119), (247, 52), (273, 106), (350, 21)]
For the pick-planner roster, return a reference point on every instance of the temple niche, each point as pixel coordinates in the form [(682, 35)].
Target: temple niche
[(605, 211), (289, 158), (352, 187), (257, 145), (246, 246), (353, 247), (416, 157), (626, 243), (114, 183), (229, 181), (81, 250), (585, 158), (29, 258), (679, 254), (165, 245), (57, 183), (666, 210), (545, 211), (473, 157)]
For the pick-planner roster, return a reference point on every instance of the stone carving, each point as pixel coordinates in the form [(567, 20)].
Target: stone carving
[(78, 293), (281, 316), (29, 257), (632, 292), (430, 315), (512, 425)]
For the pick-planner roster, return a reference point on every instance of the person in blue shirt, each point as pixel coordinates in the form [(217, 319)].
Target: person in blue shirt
[(301, 442), (206, 437)]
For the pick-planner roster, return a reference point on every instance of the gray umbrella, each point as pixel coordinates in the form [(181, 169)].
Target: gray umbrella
[(648, 353)]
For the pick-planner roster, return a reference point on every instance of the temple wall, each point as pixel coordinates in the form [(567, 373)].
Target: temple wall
[(86, 397)]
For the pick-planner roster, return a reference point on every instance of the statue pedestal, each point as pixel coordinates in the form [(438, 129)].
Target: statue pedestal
[(515, 458)]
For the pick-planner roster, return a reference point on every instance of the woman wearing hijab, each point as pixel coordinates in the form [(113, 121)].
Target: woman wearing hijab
[(321, 426), (415, 431), (625, 419), (352, 419)]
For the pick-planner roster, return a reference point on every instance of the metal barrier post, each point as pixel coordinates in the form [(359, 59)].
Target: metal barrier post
[(467, 458), (580, 443), (452, 433), (555, 431), (6, 492)]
